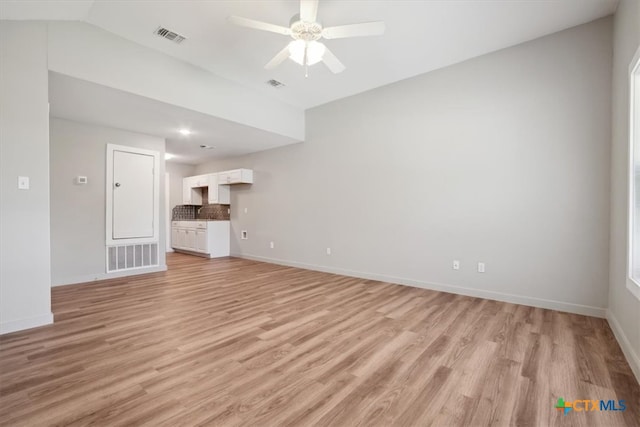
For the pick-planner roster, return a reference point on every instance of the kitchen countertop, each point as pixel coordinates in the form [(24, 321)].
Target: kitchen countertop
[(198, 220)]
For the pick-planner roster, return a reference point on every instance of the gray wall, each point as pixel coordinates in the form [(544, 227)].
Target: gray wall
[(25, 298), (502, 159), (624, 308), (78, 211), (177, 171)]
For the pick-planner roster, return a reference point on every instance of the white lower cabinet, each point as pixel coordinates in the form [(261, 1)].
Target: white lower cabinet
[(190, 238), (202, 244), (204, 238), (174, 235)]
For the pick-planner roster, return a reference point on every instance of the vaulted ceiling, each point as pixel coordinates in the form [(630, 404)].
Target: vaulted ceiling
[(420, 35)]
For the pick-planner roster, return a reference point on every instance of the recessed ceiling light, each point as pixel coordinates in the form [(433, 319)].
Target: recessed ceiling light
[(169, 156), (185, 132)]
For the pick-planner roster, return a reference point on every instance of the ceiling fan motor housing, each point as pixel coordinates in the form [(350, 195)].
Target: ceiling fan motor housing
[(307, 31)]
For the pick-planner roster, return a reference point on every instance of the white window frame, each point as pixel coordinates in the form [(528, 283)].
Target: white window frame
[(156, 196), (633, 283)]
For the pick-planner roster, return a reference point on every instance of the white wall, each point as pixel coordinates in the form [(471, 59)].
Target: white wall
[(502, 159), (25, 298), (78, 248), (624, 308), (86, 52), (177, 171)]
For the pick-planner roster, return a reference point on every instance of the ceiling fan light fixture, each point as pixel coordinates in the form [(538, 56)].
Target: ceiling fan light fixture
[(305, 30), (315, 51)]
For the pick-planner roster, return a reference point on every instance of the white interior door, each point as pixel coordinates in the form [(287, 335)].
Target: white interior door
[(133, 195)]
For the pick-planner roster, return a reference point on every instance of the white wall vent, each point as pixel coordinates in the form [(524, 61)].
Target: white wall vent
[(275, 83), (131, 257), (169, 35)]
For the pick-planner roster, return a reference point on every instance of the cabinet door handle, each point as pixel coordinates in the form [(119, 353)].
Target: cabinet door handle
[(117, 184)]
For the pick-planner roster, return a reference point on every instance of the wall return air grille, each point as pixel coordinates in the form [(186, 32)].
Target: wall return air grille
[(275, 83), (131, 257)]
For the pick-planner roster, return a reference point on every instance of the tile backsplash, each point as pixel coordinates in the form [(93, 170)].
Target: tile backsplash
[(212, 212), (184, 212)]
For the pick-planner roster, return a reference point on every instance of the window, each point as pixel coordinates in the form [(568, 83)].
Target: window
[(634, 176)]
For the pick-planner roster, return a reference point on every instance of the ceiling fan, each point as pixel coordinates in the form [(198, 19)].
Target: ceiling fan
[(306, 49)]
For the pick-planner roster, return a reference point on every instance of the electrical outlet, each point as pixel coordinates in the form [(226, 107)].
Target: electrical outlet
[(328, 251), (271, 245), (23, 183), (243, 235), (456, 264), (481, 267)]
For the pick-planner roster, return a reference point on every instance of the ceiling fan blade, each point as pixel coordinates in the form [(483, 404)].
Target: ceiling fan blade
[(332, 62), (308, 10), (259, 25), (278, 59), (354, 30)]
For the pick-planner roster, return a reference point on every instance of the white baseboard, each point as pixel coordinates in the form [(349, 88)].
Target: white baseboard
[(479, 293), (21, 324), (625, 345), (104, 276)]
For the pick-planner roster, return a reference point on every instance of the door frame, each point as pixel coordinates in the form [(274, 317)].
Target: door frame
[(110, 241), (167, 207)]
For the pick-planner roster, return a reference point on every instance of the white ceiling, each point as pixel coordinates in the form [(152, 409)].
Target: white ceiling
[(50, 10), (87, 102), (421, 35)]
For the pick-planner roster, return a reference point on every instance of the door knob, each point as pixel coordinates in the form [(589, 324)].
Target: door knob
[(117, 184)]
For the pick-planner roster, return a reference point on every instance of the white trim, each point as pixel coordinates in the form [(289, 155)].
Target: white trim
[(633, 287), (109, 191), (167, 207), (28, 323), (479, 293), (104, 276), (634, 67), (632, 358)]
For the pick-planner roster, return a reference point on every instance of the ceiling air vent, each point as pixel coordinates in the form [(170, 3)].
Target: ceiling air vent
[(275, 83), (169, 35)]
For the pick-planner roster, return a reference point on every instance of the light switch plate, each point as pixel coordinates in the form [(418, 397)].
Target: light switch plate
[(23, 183), (481, 267)]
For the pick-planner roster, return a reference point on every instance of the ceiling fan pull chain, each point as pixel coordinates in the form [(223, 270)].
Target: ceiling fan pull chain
[(306, 62)]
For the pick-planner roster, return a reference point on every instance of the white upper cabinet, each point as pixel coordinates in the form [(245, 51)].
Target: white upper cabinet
[(191, 193), (201, 180), (192, 190), (218, 194), (236, 176), (218, 185)]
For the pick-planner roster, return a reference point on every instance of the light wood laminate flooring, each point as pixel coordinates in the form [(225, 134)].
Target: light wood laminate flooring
[(237, 342)]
